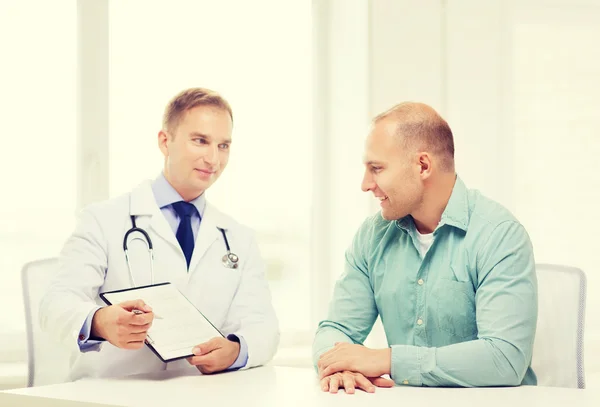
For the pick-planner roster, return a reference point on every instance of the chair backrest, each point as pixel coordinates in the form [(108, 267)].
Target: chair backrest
[(558, 348), (49, 360)]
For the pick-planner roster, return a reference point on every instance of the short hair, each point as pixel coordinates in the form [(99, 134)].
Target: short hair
[(419, 126), (189, 99)]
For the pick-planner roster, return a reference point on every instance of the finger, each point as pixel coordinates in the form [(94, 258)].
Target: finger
[(203, 370), (208, 346), (348, 381), (139, 329), (204, 360), (382, 382), (141, 319), (326, 359), (325, 384), (328, 354), (334, 368), (140, 337), (135, 304), (133, 345), (364, 383), (334, 384), (198, 360), (207, 369)]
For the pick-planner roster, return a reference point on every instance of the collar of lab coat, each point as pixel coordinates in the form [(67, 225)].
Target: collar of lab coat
[(143, 203)]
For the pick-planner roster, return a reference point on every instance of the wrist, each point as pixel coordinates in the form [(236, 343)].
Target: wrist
[(236, 341), (96, 329), (385, 360)]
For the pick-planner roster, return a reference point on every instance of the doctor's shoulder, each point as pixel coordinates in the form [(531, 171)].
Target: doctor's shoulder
[(102, 214), (108, 207)]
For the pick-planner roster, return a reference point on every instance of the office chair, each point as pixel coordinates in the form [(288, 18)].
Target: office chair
[(558, 347), (48, 360)]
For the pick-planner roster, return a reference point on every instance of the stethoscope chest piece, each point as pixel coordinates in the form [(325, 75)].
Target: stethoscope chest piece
[(230, 260)]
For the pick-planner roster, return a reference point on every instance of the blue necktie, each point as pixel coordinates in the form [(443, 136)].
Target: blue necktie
[(185, 235)]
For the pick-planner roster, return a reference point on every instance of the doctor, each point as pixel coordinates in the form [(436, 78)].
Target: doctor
[(189, 237)]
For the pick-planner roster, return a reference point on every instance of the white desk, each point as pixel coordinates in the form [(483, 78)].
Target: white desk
[(283, 386)]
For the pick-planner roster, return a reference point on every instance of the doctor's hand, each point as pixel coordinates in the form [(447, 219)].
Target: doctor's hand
[(215, 355), (355, 358), (350, 381), (120, 326)]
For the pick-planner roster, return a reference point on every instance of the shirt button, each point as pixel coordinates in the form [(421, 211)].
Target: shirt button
[(81, 337), (405, 382), (419, 321), (420, 282)]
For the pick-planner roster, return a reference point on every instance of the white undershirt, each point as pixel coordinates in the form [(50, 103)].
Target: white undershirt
[(425, 242)]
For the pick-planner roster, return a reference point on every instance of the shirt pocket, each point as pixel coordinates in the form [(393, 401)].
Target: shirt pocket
[(454, 307)]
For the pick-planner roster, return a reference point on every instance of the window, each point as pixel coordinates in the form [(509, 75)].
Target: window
[(38, 165)]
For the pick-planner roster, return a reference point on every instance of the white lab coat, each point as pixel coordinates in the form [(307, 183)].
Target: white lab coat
[(237, 301)]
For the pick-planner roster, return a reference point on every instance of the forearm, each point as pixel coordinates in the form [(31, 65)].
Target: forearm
[(327, 335), (73, 292), (482, 362), (63, 314)]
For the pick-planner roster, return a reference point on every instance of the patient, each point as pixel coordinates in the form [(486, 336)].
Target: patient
[(450, 272)]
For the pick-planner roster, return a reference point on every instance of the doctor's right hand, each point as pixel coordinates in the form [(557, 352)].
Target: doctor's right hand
[(120, 326)]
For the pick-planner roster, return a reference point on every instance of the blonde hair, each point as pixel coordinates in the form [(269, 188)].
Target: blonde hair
[(189, 99)]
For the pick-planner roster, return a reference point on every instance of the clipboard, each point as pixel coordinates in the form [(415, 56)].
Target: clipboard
[(178, 325)]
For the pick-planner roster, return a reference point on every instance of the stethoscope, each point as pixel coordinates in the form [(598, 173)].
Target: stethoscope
[(229, 260)]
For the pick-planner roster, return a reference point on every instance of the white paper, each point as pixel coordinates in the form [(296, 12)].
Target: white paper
[(177, 326)]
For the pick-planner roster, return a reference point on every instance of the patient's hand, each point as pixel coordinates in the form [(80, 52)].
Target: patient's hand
[(350, 381), (355, 358)]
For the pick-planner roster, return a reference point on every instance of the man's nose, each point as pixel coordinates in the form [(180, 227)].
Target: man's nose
[(367, 183), (212, 156)]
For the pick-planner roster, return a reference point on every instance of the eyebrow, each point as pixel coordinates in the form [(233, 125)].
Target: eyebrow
[(373, 163), (205, 136)]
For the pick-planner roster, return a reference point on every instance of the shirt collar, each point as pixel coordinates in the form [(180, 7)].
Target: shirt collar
[(165, 195), (456, 213)]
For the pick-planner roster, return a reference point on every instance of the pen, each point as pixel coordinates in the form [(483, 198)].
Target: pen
[(138, 312)]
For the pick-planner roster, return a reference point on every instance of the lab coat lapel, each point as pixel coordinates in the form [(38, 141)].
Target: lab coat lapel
[(207, 234), (143, 203)]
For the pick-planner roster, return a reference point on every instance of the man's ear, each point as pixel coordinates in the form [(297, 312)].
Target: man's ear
[(163, 138), (425, 165)]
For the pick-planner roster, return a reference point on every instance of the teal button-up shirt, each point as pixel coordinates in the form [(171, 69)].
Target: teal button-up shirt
[(464, 315)]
